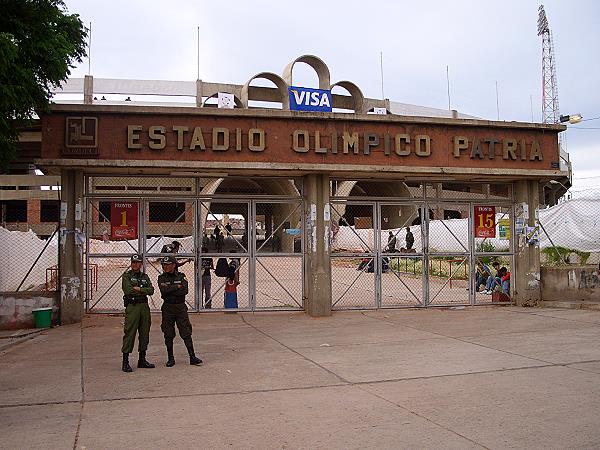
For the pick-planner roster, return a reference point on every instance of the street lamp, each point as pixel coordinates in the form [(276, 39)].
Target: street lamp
[(558, 182), (573, 118)]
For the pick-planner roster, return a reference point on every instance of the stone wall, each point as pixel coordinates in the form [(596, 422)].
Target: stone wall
[(570, 283), (16, 308)]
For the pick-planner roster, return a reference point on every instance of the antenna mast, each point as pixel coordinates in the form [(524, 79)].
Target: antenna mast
[(550, 108)]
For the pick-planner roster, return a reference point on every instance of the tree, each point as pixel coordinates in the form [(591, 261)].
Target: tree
[(39, 43)]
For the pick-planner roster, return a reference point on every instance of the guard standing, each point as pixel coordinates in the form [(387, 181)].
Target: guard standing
[(136, 287), (173, 288)]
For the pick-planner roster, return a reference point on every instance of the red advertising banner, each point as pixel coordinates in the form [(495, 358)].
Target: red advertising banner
[(124, 220), (485, 221)]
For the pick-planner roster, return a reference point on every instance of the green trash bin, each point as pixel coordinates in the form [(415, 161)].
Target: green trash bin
[(42, 317)]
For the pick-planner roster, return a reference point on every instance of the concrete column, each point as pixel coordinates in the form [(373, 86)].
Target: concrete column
[(438, 212), (88, 89), (34, 209), (198, 93), (526, 278), (70, 252), (317, 285)]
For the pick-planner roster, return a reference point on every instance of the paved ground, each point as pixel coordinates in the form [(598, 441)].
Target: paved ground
[(487, 377), (8, 338)]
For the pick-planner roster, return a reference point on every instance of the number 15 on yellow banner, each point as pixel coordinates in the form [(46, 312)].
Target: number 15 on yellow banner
[(485, 221)]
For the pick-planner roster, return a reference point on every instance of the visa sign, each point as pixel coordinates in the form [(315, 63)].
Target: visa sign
[(307, 99)]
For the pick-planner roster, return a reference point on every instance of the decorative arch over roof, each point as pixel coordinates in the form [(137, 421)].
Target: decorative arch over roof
[(275, 79), (316, 63), (357, 96)]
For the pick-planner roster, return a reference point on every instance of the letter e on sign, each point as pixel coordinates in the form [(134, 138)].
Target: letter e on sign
[(485, 221)]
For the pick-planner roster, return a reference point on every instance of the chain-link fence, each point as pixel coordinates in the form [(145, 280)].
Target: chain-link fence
[(205, 222), (421, 249), (568, 233), (29, 244)]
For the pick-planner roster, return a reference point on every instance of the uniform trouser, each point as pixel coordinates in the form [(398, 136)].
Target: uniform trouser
[(176, 314), (137, 320), (206, 284)]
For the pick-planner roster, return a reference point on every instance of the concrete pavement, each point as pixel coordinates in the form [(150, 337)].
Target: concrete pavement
[(485, 377)]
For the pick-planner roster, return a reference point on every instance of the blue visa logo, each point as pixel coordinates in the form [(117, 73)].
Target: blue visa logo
[(307, 99)]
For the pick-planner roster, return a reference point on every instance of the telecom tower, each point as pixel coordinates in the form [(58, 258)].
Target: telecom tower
[(550, 109)]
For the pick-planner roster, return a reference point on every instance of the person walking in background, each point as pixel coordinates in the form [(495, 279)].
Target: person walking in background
[(391, 244), (174, 247), (173, 288), (231, 285), (276, 243), (136, 287), (219, 239), (410, 239), (206, 265)]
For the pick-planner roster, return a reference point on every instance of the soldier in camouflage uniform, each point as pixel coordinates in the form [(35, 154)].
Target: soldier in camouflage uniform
[(136, 287), (173, 288)]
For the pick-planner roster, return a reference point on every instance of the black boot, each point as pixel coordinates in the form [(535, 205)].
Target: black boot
[(142, 363), (194, 360), (170, 357), (126, 366)]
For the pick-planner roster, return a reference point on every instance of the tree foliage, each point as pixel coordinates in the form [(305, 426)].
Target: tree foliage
[(39, 44), (557, 255)]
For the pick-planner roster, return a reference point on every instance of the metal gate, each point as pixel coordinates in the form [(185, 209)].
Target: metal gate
[(375, 263), (260, 238)]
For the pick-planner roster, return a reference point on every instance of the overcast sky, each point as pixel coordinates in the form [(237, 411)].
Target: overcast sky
[(482, 43)]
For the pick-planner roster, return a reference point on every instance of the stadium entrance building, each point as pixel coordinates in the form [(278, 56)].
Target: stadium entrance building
[(316, 209)]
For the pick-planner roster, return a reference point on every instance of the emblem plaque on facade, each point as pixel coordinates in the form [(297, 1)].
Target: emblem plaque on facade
[(81, 136)]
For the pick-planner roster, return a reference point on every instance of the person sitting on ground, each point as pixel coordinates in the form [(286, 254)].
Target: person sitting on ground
[(493, 281), (504, 279), (481, 275)]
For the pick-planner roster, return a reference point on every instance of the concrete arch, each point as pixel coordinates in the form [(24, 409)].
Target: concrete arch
[(278, 212), (276, 80), (236, 100), (358, 98), (397, 215), (316, 63)]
